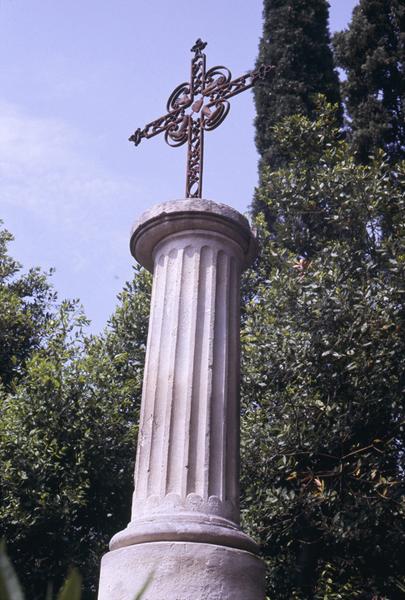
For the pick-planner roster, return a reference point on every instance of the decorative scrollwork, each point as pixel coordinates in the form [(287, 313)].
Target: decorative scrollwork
[(211, 119), (262, 71), (207, 94), (231, 88), (198, 74), (176, 133), (179, 98), (157, 126), (215, 78), (194, 160)]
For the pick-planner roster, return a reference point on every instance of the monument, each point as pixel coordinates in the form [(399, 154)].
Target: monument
[(184, 529)]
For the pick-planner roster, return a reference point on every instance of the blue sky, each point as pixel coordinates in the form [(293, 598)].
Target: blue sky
[(77, 77)]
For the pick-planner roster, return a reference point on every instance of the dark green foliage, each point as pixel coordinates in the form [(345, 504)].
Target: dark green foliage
[(26, 303), (372, 52), (323, 376), (296, 41), (67, 443)]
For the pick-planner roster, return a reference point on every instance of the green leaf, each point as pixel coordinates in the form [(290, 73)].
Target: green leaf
[(71, 589), (144, 587)]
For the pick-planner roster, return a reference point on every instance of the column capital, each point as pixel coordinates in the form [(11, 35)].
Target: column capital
[(191, 214)]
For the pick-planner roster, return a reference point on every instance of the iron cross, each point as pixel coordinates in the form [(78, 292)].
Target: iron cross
[(207, 96)]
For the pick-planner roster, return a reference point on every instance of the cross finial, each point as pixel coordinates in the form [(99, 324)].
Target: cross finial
[(198, 47), (197, 106)]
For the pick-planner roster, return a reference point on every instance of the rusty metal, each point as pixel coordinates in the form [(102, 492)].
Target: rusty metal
[(207, 96)]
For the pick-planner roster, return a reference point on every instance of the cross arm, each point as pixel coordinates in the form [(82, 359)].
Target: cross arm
[(219, 91), (171, 123)]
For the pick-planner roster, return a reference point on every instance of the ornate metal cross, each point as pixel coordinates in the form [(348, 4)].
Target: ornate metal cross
[(207, 94)]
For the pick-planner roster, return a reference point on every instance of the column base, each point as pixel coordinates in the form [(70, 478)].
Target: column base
[(184, 527), (181, 571)]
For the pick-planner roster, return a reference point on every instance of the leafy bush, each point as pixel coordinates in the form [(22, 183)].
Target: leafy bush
[(67, 443), (323, 371)]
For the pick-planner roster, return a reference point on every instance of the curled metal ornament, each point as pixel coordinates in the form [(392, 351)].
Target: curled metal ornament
[(213, 118), (176, 133), (179, 98), (216, 77), (262, 71)]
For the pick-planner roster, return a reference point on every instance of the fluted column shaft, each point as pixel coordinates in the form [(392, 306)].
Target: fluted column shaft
[(188, 448)]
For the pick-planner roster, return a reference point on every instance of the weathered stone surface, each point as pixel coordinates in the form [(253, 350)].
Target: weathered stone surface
[(181, 571), (189, 214), (187, 466)]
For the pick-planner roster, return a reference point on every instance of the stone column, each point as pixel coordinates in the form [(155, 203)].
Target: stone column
[(184, 526)]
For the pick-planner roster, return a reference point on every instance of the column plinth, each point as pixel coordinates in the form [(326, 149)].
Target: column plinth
[(186, 490)]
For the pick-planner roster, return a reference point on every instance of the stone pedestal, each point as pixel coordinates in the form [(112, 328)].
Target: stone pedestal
[(185, 513)]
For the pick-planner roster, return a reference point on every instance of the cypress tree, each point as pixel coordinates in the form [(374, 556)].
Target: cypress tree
[(296, 41), (372, 51)]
